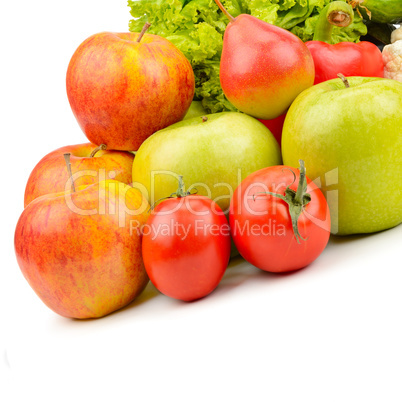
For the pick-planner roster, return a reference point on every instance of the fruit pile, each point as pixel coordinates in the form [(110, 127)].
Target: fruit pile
[(167, 192)]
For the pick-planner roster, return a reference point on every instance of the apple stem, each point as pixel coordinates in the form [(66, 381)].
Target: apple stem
[(223, 9), (68, 163), (204, 119), (101, 147), (144, 29), (344, 80)]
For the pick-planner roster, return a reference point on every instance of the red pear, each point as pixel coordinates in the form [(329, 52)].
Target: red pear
[(263, 67)]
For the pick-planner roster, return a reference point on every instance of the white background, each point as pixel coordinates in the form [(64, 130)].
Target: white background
[(330, 332)]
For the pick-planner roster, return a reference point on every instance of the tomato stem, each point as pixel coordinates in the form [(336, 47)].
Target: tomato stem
[(301, 187), (296, 200), (180, 191), (178, 194)]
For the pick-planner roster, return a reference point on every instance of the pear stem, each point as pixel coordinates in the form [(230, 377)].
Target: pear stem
[(101, 147), (144, 29), (68, 163), (223, 9)]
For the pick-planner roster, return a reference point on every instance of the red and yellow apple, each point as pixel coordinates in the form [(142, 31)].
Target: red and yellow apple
[(123, 87), (79, 251), (50, 175)]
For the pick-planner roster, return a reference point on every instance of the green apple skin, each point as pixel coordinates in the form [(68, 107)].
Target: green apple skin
[(213, 153), (196, 110), (351, 140)]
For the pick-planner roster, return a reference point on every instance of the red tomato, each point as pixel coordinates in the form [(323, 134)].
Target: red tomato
[(186, 246), (261, 224)]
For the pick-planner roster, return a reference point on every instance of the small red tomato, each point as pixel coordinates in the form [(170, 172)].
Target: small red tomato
[(279, 219), (186, 246)]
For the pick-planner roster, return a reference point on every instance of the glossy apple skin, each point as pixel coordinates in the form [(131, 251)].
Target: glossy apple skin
[(83, 265), (353, 147), (121, 91), (263, 67), (196, 110), (50, 175), (213, 156)]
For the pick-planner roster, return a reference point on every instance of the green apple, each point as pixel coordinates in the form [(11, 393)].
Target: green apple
[(350, 138), (196, 109), (213, 153)]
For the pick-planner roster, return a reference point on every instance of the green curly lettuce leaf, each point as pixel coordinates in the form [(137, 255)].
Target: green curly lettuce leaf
[(196, 27)]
